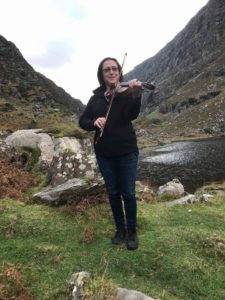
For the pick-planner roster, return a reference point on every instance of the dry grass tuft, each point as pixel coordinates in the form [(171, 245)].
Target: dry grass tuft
[(14, 180), (11, 283)]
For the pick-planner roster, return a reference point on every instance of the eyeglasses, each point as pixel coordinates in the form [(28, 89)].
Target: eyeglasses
[(108, 70)]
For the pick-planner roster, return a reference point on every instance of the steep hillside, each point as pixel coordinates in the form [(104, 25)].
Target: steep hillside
[(27, 98), (190, 76)]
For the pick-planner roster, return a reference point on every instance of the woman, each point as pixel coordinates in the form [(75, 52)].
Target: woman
[(115, 145)]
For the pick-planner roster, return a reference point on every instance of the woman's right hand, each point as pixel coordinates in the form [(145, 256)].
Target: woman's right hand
[(100, 122)]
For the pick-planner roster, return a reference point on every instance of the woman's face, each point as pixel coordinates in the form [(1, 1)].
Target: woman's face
[(110, 73)]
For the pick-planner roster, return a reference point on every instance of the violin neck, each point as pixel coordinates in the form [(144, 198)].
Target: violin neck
[(124, 84)]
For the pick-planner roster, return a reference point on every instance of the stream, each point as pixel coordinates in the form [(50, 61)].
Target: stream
[(194, 163)]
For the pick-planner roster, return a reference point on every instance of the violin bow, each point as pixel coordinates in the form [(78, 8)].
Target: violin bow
[(111, 101)]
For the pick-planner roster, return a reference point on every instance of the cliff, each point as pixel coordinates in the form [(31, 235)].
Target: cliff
[(189, 73)]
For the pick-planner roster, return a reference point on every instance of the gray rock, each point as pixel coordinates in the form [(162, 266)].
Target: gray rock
[(205, 197), (46, 146), (124, 294), (24, 138), (33, 138), (77, 280), (188, 199), (173, 187), (68, 192), (6, 151)]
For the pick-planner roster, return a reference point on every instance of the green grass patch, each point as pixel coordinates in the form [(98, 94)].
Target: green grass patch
[(181, 254), (20, 114)]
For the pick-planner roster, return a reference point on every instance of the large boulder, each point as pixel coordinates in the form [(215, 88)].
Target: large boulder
[(33, 138), (24, 138), (63, 158), (70, 192), (73, 158)]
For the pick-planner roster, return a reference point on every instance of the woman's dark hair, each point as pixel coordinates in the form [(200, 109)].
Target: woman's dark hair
[(100, 70)]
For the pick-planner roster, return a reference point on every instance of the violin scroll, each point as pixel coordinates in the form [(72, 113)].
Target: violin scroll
[(148, 85)]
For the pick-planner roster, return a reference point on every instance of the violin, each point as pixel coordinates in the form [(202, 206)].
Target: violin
[(124, 88)]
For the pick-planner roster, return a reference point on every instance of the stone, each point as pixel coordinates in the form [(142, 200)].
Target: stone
[(173, 187), (77, 280), (188, 199), (24, 138), (125, 294), (68, 192), (34, 138), (8, 152)]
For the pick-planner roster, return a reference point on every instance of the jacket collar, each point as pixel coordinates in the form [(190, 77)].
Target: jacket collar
[(99, 90)]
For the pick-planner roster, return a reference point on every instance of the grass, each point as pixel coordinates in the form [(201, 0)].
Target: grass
[(58, 123), (181, 254)]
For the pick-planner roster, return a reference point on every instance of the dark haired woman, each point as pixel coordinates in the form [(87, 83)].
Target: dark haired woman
[(116, 150)]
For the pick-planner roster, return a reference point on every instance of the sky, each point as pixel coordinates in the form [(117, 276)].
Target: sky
[(65, 40)]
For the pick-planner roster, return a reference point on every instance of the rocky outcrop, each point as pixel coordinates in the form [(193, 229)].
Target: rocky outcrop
[(62, 158)]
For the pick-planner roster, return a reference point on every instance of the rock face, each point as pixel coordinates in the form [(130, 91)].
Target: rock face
[(189, 71), (199, 44), (20, 81)]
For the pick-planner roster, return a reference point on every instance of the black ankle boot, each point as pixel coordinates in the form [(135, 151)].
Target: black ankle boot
[(119, 237), (132, 240)]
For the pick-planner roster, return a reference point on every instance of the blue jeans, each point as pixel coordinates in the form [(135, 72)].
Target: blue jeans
[(119, 174)]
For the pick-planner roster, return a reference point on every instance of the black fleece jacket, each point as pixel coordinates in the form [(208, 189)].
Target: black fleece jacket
[(119, 137)]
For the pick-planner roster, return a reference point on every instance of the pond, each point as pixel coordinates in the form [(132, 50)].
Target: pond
[(194, 163)]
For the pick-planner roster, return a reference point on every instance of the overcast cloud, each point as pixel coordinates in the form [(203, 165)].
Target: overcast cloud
[(66, 39)]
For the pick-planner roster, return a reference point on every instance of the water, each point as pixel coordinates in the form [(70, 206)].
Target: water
[(194, 163)]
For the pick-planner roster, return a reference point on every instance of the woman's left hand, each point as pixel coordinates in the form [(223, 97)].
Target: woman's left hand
[(134, 87)]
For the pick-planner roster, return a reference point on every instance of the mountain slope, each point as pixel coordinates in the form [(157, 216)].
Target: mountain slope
[(26, 96), (189, 73)]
